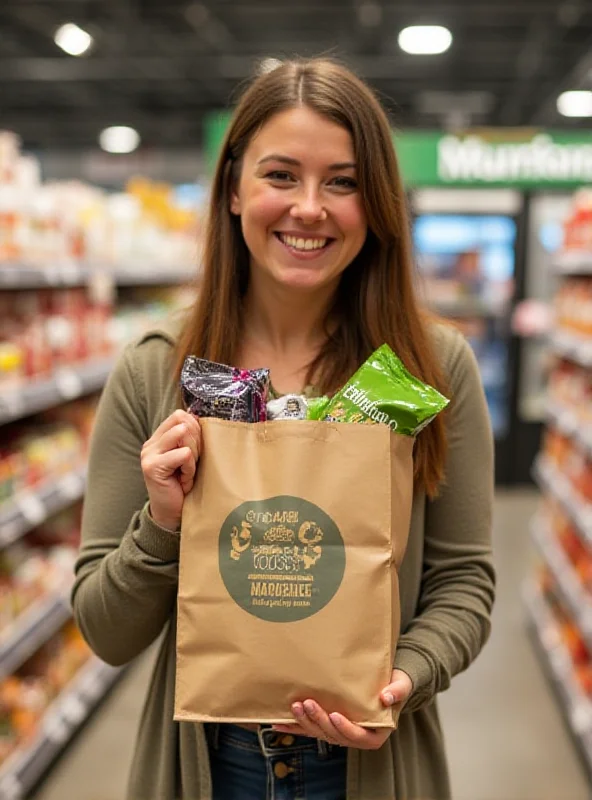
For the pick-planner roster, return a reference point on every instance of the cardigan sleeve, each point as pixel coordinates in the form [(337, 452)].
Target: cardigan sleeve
[(458, 582), (127, 570)]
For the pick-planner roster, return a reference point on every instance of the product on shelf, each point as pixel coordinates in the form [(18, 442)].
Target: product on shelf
[(570, 635), (45, 329), (570, 460), (26, 695), (28, 574), (570, 386), (577, 233), (55, 445), (573, 306), (568, 538), (62, 223)]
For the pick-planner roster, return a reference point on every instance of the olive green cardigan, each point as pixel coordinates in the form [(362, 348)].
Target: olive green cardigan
[(126, 581)]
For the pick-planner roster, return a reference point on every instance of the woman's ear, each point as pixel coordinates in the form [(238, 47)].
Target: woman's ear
[(235, 205)]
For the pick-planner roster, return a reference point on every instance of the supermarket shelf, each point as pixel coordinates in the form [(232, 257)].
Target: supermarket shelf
[(577, 600), (30, 630), (22, 276), (558, 486), (576, 706), (22, 770), (567, 422), (468, 307), (578, 262), (15, 276), (65, 384), (32, 507), (569, 345), (152, 277)]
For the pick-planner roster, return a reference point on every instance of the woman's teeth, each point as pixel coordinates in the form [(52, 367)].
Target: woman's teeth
[(302, 244)]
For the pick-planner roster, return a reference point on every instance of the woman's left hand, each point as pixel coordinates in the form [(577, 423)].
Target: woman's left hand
[(314, 721)]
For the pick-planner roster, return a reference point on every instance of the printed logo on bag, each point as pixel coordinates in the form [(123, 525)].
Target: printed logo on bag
[(281, 559)]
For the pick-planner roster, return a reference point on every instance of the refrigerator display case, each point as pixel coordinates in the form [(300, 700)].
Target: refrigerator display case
[(467, 247)]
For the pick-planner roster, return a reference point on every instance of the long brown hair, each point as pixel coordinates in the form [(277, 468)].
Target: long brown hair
[(376, 300)]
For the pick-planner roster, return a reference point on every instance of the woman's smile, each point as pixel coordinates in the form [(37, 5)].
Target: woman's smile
[(304, 247)]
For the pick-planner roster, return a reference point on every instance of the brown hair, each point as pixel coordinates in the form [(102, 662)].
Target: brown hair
[(376, 300)]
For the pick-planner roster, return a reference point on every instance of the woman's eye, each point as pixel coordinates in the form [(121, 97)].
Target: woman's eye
[(342, 182), (280, 175)]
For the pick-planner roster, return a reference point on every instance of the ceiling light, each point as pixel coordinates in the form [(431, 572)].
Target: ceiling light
[(72, 39), (423, 40), (575, 104), (119, 139)]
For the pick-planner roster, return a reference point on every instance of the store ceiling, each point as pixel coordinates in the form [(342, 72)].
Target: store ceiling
[(160, 65)]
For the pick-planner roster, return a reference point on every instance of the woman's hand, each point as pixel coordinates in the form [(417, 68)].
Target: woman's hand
[(334, 728), (169, 461)]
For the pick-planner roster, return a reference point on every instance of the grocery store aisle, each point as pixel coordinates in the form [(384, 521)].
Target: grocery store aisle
[(505, 736)]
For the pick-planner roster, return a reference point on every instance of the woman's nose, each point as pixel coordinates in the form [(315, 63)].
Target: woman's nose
[(308, 206)]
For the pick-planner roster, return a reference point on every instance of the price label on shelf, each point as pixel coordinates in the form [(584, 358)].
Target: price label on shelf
[(581, 718), (69, 383), (57, 729), (101, 287), (9, 531), (73, 709), (94, 685), (31, 508), (11, 788), (70, 273), (12, 404), (71, 485), (50, 275)]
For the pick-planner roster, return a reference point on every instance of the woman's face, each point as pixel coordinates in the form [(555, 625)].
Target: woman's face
[(298, 200)]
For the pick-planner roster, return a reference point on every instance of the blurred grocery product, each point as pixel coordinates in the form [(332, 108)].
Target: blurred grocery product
[(577, 234), (573, 306), (55, 224), (26, 696)]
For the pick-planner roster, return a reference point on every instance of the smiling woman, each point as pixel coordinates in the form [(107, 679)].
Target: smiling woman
[(309, 156), (307, 269)]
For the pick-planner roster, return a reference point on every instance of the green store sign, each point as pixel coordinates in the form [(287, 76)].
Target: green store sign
[(495, 157)]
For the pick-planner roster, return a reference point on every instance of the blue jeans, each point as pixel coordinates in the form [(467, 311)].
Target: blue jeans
[(265, 765)]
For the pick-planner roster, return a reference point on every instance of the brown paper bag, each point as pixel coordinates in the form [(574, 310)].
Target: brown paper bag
[(290, 543)]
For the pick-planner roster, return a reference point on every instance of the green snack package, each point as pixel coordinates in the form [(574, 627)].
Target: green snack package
[(317, 407), (383, 391)]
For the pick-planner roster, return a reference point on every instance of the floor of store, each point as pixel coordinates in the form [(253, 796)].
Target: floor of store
[(505, 735)]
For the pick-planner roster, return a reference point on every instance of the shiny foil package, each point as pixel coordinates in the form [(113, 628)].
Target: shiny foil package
[(217, 390)]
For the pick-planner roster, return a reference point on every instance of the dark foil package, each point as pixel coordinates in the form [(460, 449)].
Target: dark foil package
[(216, 390)]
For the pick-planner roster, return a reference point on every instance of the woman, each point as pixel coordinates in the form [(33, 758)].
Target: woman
[(307, 269)]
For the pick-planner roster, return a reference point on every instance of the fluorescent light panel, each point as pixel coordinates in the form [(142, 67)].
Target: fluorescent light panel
[(72, 39), (424, 40), (575, 104), (119, 139)]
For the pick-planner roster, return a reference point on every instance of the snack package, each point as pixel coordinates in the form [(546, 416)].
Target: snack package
[(383, 391), (216, 390), (289, 406), (317, 406)]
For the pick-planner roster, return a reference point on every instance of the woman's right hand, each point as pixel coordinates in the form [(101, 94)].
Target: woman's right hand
[(169, 462)]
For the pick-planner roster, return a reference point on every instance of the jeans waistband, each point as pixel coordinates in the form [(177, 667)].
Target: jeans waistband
[(265, 740)]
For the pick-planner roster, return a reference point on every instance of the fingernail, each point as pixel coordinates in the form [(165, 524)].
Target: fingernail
[(297, 710), (335, 718), (388, 698), (309, 706)]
